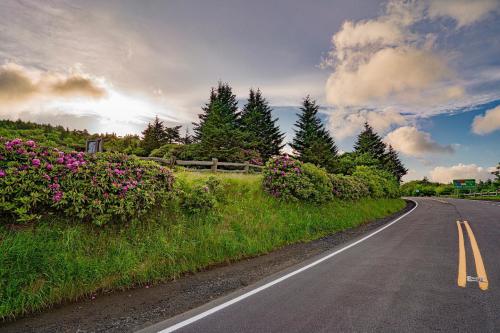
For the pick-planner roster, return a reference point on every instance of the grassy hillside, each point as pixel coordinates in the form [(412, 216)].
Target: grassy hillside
[(60, 259)]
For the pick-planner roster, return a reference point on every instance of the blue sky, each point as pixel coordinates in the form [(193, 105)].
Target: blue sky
[(424, 73)]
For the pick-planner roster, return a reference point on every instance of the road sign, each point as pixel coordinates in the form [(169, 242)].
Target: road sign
[(464, 184)]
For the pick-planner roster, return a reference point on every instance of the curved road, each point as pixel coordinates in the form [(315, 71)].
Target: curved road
[(403, 278)]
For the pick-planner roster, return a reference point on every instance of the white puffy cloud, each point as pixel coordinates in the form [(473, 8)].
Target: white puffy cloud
[(403, 73), (444, 174), (487, 123), (412, 142), (345, 123), (383, 61), (464, 12)]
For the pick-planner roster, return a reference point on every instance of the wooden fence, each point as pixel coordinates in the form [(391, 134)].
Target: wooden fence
[(212, 165)]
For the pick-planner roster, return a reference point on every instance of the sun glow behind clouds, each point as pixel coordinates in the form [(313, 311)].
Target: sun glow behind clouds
[(117, 111)]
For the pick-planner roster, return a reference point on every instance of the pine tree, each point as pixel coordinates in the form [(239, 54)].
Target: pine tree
[(370, 142), (312, 142), (187, 138), (154, 135), (218, 129), (393, 164), (260, 129), (172, 134)]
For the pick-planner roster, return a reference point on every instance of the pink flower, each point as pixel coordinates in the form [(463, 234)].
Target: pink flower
[(49, 166), (46, 176), (30, 143), (2, 173), (60, 160), (35, 162), (57, 196)]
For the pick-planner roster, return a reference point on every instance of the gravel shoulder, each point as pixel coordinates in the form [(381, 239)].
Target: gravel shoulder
[(130, 310)]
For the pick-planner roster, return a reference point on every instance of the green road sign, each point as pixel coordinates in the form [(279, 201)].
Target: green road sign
[(464, 184)]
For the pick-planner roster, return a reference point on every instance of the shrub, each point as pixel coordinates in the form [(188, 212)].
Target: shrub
[(348, 187), (289, 179), (380, 183), (199, 197), (99, 188)]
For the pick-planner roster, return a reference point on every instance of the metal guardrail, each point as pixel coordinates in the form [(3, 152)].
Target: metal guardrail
[(214, 164)]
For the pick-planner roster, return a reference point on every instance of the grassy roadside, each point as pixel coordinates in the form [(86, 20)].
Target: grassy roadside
[(495, 198), (57, 261)]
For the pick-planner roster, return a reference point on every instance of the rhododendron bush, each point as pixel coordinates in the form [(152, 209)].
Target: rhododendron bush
[(35, 181)]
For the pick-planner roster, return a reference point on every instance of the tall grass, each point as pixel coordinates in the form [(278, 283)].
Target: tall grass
[(59, 260)]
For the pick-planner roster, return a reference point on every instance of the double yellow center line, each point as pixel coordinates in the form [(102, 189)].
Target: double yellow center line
[(462, 270)]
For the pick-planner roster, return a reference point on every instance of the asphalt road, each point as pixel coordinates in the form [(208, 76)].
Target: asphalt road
[(404, 278)]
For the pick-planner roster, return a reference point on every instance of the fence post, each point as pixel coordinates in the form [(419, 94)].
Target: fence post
[(172, 161), (214, 164), (247, 167)]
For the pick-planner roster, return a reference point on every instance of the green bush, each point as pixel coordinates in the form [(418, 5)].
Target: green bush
[(380, 182), (291, 180), (348, 187), (36, 181), (200, 196)]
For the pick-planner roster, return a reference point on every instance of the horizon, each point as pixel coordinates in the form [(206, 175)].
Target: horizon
[(424, 74)]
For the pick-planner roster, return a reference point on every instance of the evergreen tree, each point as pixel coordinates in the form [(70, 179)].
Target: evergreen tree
[(312, 142), (218, 130), (393, 164), (370, 142), (187, 138), (154, 135), (172, 134), (260, 129)]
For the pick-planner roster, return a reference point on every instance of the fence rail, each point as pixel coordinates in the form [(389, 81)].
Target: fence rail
[(483, 194), (214, 164)]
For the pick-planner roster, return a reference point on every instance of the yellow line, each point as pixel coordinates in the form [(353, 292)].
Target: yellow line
[(462, 274), (480, 271)]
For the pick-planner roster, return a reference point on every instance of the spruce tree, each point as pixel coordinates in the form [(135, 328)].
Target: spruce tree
[(370, 142), (393, 164), (312, 142), (218, 129), (154, 135), (172, 134), (260, 129)]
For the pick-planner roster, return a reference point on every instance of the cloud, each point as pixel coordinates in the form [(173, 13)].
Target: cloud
[(77, 86), (345, 123), (487, 123), (20, 85), (15, 85), (464, 12), (403, 73), (460, 171), (412, 142)]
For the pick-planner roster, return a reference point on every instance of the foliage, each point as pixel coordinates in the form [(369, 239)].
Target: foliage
[(349, 161), (200, 196), (312, 142), (157, 134), (35, 181), (380, 183), (496, 173), (369, 143), (61, 260), (348, 187), (68, 140), (262, 134), (218, 132)]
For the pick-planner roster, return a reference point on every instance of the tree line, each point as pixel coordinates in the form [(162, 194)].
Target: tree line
[(227, 133)]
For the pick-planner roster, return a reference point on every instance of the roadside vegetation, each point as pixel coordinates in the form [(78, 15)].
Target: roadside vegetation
[(73, 224), (209, 221)]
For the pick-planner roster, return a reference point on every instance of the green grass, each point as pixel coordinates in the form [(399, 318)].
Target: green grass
[(492, 198), (60, 260)]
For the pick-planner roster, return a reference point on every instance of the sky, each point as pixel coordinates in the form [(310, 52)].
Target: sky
[(425, 74)]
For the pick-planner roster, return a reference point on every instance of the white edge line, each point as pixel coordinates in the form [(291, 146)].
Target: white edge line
[(272, 283)]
